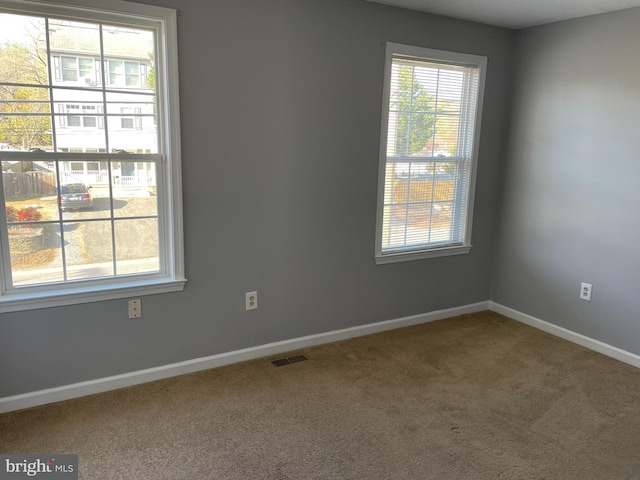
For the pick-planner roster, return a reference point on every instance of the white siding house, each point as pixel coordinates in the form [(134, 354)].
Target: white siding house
[(85, 81)]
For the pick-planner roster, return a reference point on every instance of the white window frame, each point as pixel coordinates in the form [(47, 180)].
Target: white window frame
[(171, 276), (434, 250)]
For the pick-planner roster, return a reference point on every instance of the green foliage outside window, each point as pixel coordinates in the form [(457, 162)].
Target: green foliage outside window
[(415, 120)]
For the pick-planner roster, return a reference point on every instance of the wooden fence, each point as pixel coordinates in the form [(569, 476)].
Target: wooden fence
[(29, 184)]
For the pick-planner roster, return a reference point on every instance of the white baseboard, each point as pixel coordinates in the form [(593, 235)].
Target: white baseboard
[(67, 392), (590, 343)]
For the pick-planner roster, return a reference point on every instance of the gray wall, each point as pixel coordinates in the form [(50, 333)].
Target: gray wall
[(571, 206), (281, 104)]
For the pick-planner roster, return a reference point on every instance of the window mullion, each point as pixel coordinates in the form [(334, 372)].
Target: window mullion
[(50, 81), (103, 89), (63, 252), (105, 109)]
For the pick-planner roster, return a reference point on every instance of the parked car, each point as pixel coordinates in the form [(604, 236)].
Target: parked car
[(75, 195)]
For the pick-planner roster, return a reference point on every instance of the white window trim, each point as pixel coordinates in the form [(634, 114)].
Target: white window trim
[(173, 277), (437, 56)]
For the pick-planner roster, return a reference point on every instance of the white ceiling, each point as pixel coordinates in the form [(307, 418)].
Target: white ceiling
[(514, 14)]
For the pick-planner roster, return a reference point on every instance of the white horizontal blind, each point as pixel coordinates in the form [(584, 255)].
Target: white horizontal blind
[(429, 153)]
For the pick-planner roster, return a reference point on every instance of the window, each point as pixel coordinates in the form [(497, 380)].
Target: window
[(69, 67), (81, 116), (91, 204), (429, 138), (123, 73), (72, 69), (128, 121)]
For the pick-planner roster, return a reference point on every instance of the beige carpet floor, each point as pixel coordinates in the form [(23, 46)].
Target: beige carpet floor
[(472, 397)]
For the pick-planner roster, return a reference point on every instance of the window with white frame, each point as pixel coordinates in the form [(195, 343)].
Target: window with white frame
[(128, 120), (84, 116), (124, 73), (429, 141), (68, 68), (85, 214)]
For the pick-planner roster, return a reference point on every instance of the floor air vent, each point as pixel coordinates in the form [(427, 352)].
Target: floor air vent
[(281, 362)]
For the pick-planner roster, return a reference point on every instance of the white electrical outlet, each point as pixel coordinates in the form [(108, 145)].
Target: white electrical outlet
[(251, 300), (585, 291), (135, 308)]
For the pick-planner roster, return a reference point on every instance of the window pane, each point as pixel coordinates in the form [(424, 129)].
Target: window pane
[(31, 207), (79, 199), (116, 73), (134, 189), (69, 68), (36, 255), (71, 37), (24, 123), (22, 59), (29, 191), (132, 122), (87, 71), (25, 131), (137, 246), (419, 198), (42, 249), (88, 250), (25, 120), (77, 99), (74, 121), (441, 221), (136, 45), (24, 99), (447, 131), (132, 73), (79, 120)]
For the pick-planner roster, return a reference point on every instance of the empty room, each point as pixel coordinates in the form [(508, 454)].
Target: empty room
[(320, 239)]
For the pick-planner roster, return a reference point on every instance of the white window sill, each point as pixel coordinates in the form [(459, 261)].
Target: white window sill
[(383, 259), (19, 301)]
